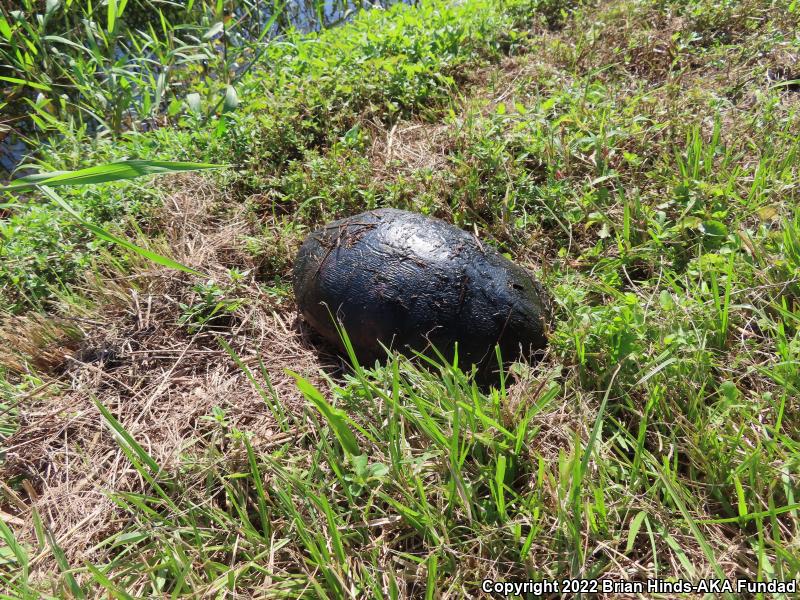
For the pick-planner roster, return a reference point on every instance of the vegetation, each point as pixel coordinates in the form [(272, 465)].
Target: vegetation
[(176, 432)]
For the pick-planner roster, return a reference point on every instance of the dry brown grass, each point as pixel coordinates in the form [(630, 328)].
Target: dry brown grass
[(410, 146), (160, 381)]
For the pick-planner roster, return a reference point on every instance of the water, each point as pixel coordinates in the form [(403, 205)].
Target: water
[(12, 151)]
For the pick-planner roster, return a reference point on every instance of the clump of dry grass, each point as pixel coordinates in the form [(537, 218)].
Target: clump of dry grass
[(159, 380), (35, 341), (410, 146)]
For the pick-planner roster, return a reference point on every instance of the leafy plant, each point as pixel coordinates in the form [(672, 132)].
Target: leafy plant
[(212, 306)]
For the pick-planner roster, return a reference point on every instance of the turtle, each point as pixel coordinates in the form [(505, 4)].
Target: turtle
[(400, 280)]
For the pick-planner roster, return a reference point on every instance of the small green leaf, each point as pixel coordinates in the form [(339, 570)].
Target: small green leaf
[(108, 586), (378, 470), (714, 234), (714, 228), (360, 464), (213, 30), (231, 99), (193, 102), (16, 549), (729, 391), (666, 300)]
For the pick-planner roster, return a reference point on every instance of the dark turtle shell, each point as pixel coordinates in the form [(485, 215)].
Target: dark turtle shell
[(408, 281)]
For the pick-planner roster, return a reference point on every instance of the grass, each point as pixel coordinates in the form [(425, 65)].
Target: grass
[(169, 434)]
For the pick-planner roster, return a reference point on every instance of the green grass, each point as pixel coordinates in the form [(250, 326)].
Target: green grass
[(640, 156)]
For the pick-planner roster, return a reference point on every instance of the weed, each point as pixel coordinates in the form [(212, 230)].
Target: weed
[(211, 306)]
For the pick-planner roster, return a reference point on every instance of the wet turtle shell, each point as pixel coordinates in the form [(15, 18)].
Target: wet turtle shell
[(408, 281)]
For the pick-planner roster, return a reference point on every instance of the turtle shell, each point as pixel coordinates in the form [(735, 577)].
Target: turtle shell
[(410, 282)]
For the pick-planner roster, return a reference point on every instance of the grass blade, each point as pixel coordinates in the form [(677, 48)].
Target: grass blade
[(126, 439), (33, 84), (63, 564), (118, 171), (335, 417), (16, 548), (698, 535), (598, 423), (154, 257)]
